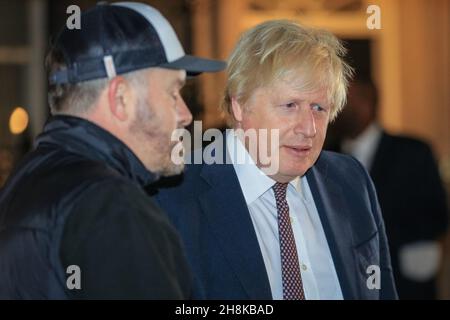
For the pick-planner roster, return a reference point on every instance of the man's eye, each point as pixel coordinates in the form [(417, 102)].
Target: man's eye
[(290, 105), (317, 107)]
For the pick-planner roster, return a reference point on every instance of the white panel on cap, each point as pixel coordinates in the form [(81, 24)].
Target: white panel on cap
[(167, 35)]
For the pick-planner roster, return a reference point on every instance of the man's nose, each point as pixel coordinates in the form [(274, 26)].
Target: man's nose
[(305, 123), (183, 113)]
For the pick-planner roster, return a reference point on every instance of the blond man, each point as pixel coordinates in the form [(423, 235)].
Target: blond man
[(312, 229)]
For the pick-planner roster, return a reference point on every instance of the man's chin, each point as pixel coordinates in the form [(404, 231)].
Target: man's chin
[(172, 170), (293, 171)]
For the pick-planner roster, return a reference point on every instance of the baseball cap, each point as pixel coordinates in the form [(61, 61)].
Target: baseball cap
[(122, 37)]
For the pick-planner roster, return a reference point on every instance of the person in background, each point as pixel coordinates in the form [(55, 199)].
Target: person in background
[(410, 191)]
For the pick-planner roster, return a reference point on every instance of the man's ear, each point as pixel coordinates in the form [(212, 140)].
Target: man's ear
[(120, 98), (237, 109)]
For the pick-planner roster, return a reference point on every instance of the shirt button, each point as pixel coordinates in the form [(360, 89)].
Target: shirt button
[(292, 220), (304, 267)]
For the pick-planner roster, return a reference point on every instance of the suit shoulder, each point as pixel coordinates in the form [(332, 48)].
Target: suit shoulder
[(408, 143), (351, 175), (340, 163), (332, 156), (346, 171), (181, 187)]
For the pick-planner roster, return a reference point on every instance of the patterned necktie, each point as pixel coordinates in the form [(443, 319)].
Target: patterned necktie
[(290, 267)]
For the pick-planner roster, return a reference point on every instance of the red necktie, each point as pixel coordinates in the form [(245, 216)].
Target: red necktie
[(290, 267)]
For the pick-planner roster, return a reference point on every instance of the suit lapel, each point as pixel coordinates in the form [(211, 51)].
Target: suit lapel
[(227, 213), (333, 212)]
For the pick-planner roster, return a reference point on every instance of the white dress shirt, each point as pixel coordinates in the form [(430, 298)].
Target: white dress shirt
[(319, 276), (364, 146)]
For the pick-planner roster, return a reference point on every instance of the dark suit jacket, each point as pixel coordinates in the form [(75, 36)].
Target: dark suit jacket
[(410, 190), (210, 213), (412, 199)]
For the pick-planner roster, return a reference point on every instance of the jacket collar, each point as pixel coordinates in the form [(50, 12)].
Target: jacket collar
[(82, 137)]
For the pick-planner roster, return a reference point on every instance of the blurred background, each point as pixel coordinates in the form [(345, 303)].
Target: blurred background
[(408, 60)]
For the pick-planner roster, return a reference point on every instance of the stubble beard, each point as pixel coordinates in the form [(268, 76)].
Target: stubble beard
[(158, 144)]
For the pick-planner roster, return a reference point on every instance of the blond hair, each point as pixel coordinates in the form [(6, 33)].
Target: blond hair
[(277, 49)]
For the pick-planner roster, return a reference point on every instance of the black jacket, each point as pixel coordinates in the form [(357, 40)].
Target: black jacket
[(78, 199), (413, 201)]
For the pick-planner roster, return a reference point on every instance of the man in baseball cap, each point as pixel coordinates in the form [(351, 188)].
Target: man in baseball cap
[(75, 221)]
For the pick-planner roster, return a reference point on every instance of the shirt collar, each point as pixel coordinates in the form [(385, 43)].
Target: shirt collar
[(363, 147), (253, 181)]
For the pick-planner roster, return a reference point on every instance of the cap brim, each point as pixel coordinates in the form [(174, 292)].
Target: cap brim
[(195, 65)]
